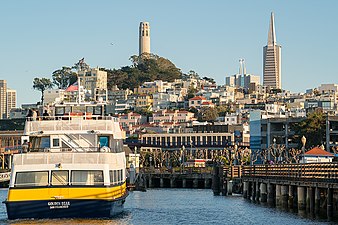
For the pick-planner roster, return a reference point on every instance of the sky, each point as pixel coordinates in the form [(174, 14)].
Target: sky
[(207, 36)]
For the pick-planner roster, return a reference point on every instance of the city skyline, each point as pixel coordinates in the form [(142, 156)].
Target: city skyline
[(208, 38)]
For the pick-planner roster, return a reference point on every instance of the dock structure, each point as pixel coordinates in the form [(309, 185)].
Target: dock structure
[(310, 188), (176, 178)]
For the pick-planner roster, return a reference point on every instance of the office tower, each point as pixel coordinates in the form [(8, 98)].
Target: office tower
[(3, 99), (11, 100), (272, 60), (144, 38)]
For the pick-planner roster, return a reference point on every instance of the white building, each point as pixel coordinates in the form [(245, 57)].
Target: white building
[(94, 81)]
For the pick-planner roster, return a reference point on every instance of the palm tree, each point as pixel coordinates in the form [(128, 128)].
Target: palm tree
[(41, 84)]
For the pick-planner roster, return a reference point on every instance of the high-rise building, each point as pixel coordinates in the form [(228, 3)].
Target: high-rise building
[(144, 38), (272, 74), (242, 79), (3, 99), (11, 100)]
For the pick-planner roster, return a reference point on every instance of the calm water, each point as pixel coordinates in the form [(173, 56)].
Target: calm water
[(182, 206)]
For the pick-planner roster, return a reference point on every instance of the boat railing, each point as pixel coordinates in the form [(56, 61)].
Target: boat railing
[(66, 158), (103, 149), (71, 123)]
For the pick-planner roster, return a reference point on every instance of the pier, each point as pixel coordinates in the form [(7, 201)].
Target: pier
[(176, 178), (310, 188)]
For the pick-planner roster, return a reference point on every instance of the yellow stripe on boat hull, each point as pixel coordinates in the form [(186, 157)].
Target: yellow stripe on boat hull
[(52, 193)]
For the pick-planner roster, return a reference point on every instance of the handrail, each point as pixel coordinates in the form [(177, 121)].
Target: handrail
[(303, 171)]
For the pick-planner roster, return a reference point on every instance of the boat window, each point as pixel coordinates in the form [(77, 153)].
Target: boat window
[(45, 142), (59, 111), (117, 146), (98, 110), (104, 141), (116, 176), (87, 177), (31, 179), (56, 142), (59, 177)]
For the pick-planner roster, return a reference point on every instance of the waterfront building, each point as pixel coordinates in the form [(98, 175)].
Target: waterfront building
[(272, 70), (265, 129), (317, 154), (332, 133), (144, 38)]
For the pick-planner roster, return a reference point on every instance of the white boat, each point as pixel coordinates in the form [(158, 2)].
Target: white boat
[(74, 167)]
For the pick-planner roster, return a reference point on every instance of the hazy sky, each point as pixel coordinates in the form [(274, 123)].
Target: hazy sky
[(209, 37)]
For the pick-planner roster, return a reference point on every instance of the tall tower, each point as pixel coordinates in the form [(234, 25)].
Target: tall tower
[(272, 73), (144, 38), (11, 100), (3, 99)]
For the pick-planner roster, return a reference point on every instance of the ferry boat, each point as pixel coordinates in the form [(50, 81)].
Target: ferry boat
[(75, 166)]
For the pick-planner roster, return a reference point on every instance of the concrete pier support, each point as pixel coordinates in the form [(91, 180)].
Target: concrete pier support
[(271, 194), (311, 191), (284, 196), (216, 186), (150, 182), (301, 198), (161, 183), (172, 183), (308, 197), (329, 208), (184, 183), (257, 191), (195, 183), (229, 187), (224, 187), (206, 183), (278, 195), (253, 194), (317, 200), (245, 189), (291, 197), (249, 190), (263, 193)]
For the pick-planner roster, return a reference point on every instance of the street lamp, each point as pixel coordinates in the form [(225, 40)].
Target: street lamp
[(303, 140), (235, 154), (274, 149), (183, 149)]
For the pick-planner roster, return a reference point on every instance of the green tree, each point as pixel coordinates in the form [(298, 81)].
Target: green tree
[(207, 114), (42, 84), (116, 77), (313, 128), (147, 67), (211, 80), (64, 77)]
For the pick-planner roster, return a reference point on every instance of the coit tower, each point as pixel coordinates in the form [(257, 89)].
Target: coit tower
[(272, 70), (144, 38)]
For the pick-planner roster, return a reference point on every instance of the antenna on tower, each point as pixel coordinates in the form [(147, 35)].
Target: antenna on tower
[(242, 69)]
